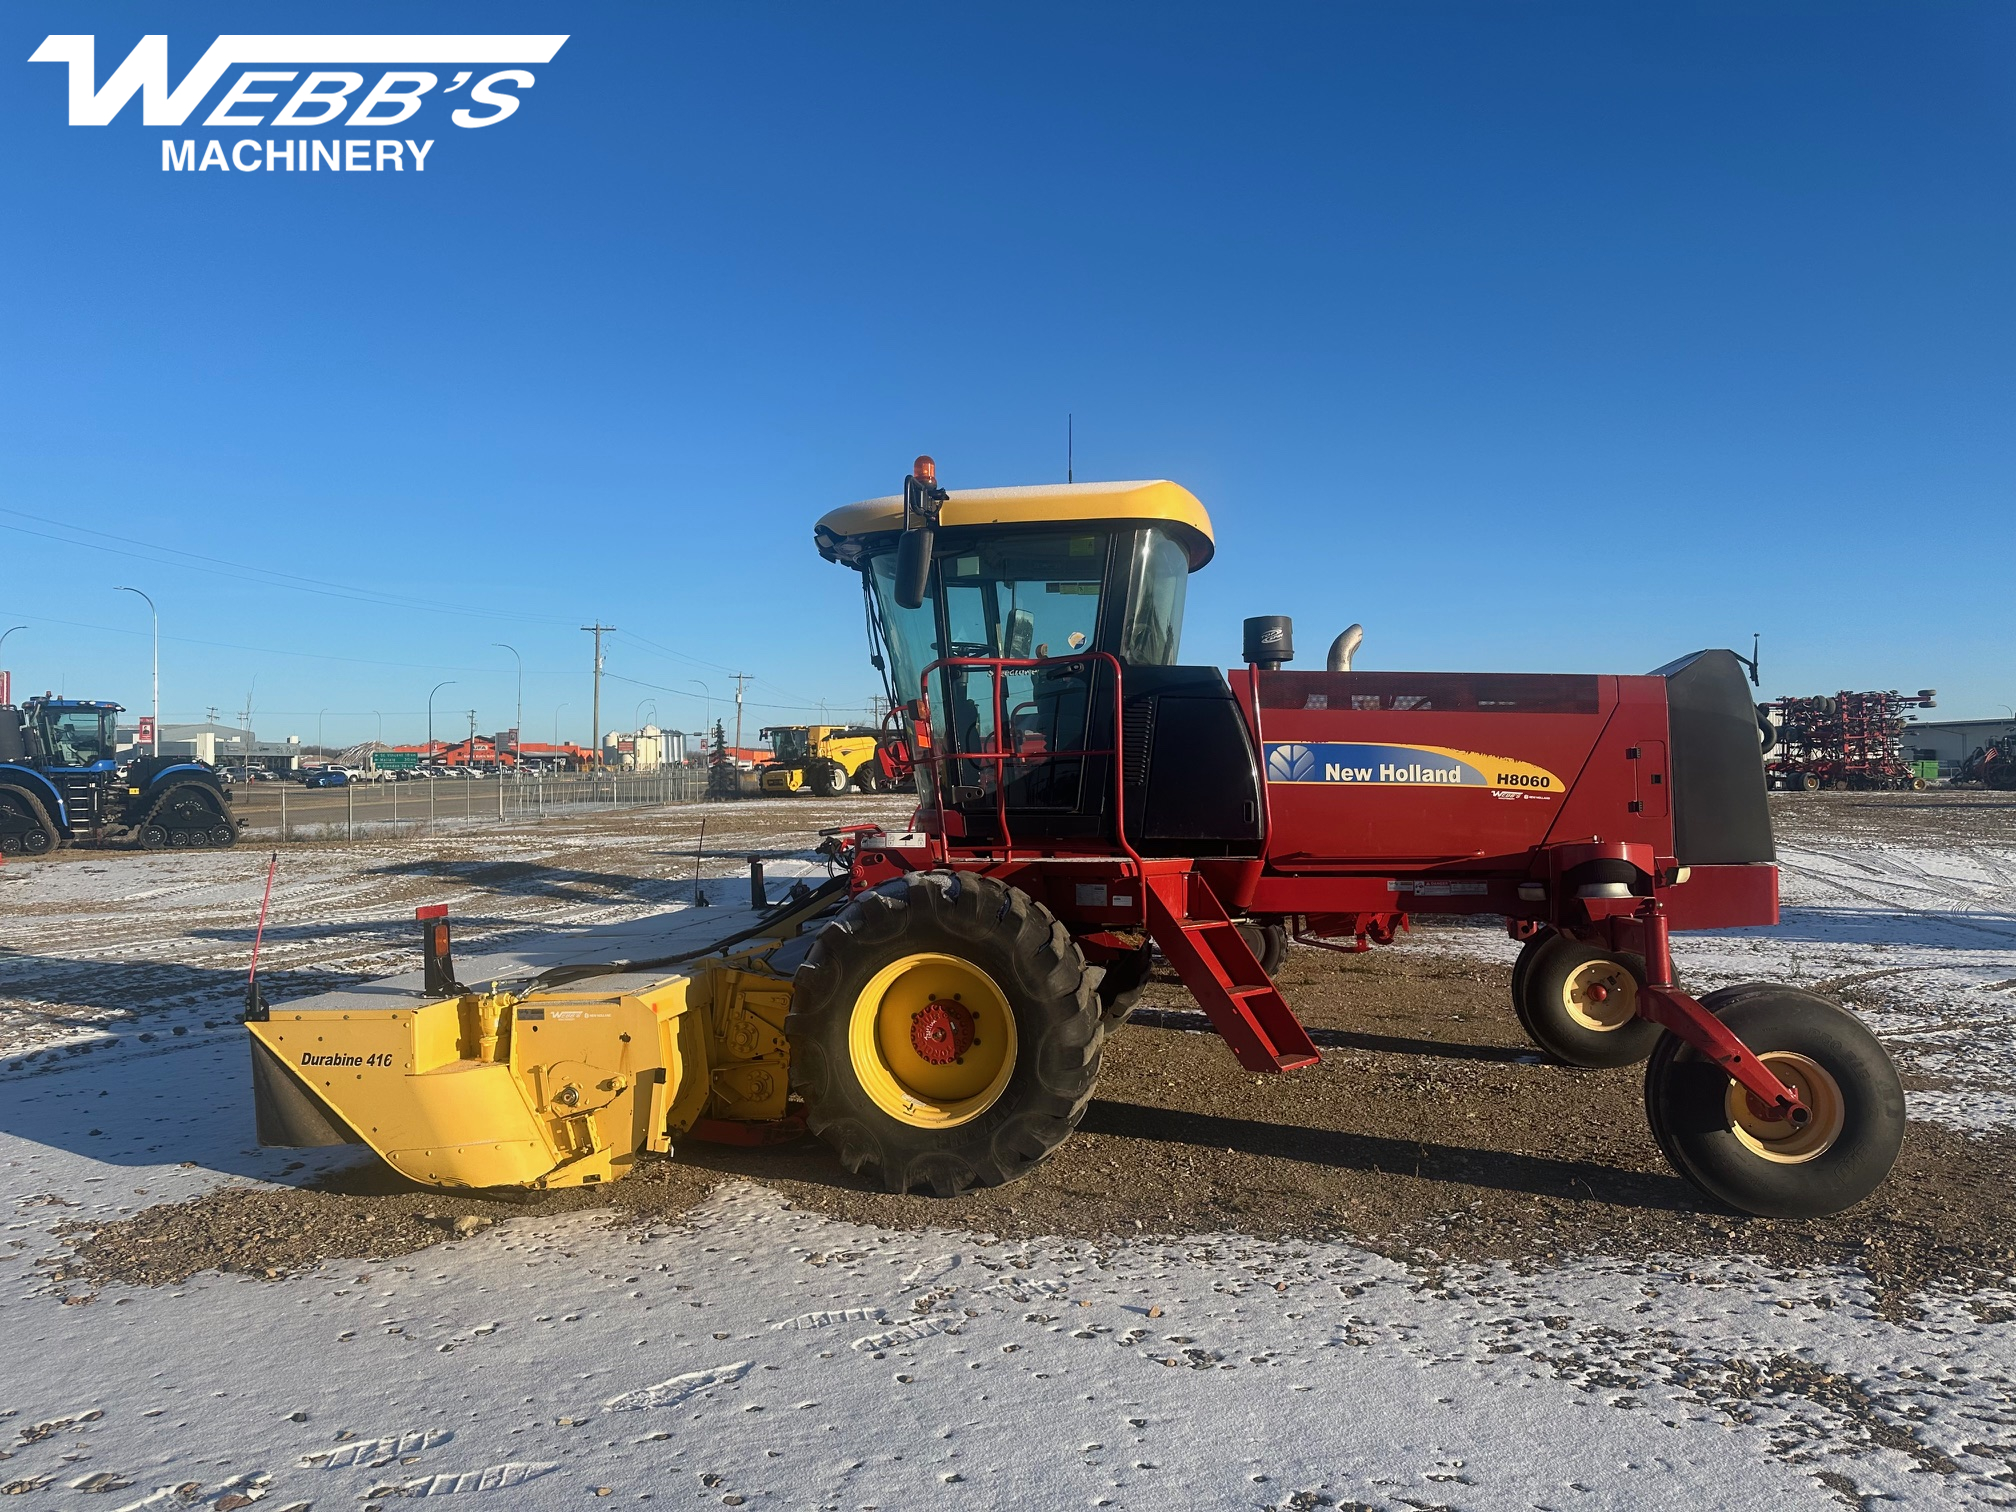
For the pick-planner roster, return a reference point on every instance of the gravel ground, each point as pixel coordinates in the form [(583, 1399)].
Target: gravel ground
[(1430, 1133)]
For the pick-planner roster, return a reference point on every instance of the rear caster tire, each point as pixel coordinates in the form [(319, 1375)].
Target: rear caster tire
[(1533, 946), (1121, 987), (1718, 1137), (1267, 941), (1579, 1003), (944, 1033)]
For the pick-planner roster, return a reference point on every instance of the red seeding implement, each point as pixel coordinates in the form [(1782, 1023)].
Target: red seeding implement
[(1851, 740), (1084, 796)]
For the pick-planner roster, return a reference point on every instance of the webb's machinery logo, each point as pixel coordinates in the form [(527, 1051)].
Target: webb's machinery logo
[(316, 99)]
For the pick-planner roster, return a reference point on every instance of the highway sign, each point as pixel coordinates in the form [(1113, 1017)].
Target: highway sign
[(395, 761)]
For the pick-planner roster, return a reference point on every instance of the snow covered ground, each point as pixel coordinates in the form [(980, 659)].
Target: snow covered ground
[(753, 1354)]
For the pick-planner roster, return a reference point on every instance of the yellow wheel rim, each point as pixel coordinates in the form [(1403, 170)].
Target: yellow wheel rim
[(932, 1039), (1779, 1139), (1600, 995)]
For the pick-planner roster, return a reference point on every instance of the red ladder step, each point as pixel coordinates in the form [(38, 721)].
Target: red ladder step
[(1222, 973)]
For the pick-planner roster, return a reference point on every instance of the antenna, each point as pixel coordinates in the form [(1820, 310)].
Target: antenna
[(1070, 445)]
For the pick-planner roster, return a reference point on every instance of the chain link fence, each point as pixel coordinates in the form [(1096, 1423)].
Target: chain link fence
[(283, 811)]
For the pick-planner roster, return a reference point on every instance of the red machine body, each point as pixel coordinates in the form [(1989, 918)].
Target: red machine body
[(1031, 639), (1380, 795)]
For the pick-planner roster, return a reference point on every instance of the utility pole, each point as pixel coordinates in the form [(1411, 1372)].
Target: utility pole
[(472, 739), (740, 678), (595, 735), (246, 725)]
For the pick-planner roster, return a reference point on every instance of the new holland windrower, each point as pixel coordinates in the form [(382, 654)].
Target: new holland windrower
[(1086, 798)]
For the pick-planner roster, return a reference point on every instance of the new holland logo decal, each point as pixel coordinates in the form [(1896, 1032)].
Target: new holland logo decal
[(1404, 766)]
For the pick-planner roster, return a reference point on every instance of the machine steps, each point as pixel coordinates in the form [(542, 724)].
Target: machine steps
[(1221, 971)]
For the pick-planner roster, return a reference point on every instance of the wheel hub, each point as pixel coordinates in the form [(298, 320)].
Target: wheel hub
[(942, 1031), (1601, 995), (1809, 1129), (932, 1039)]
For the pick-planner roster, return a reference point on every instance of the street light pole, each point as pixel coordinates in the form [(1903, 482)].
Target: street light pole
[(320, 749), (430, 714), (156, 613), (3, 641), (519, 727)]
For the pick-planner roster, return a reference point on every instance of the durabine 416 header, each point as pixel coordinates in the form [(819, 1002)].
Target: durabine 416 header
[(279, 86)]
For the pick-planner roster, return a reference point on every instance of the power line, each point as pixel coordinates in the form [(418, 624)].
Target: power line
[(635, 682), (694, 661), (267, 577), (186, 640)]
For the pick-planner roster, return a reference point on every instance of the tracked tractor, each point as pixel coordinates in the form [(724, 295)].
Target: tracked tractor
[(936, 1013), (61, 779), (825, 760)]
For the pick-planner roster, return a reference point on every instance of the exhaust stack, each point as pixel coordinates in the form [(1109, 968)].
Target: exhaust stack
[(1344, 648)]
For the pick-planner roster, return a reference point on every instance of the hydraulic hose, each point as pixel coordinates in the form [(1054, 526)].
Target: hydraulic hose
[(791, 911)]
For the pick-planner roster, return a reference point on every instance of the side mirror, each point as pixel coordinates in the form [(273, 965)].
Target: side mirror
[(1021, 635), (913, 566)]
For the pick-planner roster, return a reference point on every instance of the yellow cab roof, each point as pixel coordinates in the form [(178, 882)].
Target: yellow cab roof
[(1166, 503)]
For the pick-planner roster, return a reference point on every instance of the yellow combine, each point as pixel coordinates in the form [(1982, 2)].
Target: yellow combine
[(826, 759)]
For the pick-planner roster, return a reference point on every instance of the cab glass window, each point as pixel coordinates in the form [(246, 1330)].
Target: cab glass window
[(1158, 577), (78, 737)]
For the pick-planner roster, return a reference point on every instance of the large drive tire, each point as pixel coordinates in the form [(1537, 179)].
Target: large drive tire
[(1714, 1134), (827, 779), (1579, 1004), (867, 778), (944, 1033), (25, 826)]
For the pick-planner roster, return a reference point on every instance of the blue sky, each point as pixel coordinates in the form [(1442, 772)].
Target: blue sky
[(1534, 337)]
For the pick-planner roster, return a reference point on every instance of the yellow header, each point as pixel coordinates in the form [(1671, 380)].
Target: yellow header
[(1167, 503)]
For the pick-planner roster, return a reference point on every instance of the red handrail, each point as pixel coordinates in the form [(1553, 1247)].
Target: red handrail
[(996, 666)]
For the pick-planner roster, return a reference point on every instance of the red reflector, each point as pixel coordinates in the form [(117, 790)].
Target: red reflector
[(432, 911)]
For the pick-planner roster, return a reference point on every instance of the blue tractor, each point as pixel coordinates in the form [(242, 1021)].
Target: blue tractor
[(61, 779)]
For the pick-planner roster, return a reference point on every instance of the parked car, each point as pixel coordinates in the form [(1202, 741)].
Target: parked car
[(327, 777)]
